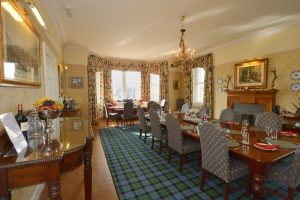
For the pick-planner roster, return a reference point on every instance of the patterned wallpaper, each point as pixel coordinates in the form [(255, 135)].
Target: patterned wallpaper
[(284, 62)]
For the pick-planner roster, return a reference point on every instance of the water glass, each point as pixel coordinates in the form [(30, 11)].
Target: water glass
[(274, 134), (268, 130), (245, 135)]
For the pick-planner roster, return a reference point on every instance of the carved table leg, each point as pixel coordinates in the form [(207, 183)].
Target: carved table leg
[(4, 191), (54, 190), (258, 171), (88, 169)]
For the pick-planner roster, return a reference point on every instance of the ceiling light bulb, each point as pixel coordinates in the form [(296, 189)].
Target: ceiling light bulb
[(12, 11), (37, 15)]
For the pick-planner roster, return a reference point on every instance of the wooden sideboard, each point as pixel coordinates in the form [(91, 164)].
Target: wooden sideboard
[(70, 112), (264, 97), (76, 145)]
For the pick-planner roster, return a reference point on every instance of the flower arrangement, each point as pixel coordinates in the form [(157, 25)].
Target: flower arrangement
[(46, 103)]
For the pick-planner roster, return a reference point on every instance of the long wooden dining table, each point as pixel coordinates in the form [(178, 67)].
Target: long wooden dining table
[(257, 160)]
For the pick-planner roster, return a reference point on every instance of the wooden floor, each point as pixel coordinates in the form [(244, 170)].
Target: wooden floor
[(72, 183)]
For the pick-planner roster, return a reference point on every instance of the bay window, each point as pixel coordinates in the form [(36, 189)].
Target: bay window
[(198, 85)]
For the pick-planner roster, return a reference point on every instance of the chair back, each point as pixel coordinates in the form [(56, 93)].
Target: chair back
[(106, 112), (214, 150), (149, 105), (163, 104), (155, 124), (155, 106), (228, 115), (142, 119), (203, 110), (294, 171), (185, 108), (175, 138), (179, 103), (269, 119), (128, 110)]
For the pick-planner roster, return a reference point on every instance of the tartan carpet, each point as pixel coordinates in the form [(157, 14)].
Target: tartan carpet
[(141, 173)]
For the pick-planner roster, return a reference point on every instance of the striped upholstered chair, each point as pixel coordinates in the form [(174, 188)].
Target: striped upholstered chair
[(185, 108), (287, 173), (270, 119), (215, 157), (157, 132), (228, 115), (144, 127), (176, 141)]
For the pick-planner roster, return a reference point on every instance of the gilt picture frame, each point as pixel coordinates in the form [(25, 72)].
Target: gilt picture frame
[(251, 74), (76, 82), (20, 49)]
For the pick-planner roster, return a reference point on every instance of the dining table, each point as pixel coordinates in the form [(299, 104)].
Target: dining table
[(258, 160)]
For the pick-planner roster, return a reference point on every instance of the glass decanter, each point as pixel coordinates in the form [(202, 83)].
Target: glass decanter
[(35, 131)]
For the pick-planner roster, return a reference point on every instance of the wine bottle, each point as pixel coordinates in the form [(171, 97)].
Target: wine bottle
[(22, 121)]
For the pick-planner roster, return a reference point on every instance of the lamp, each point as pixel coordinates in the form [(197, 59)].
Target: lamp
[(12, 11), (31, 4), (184, 53)]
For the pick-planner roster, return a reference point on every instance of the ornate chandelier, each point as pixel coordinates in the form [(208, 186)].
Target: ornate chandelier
[(183, 54)]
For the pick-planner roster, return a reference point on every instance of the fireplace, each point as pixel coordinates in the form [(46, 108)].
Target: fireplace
[(250, 103), (248, 111)]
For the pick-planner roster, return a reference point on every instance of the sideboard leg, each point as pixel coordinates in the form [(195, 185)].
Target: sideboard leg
[(54, 190)]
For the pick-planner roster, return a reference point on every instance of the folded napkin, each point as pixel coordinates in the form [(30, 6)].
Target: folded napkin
[(266, 146), (232, 123), (288, 133)]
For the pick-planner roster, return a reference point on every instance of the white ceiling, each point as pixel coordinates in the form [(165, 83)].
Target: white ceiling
[(149, 29)]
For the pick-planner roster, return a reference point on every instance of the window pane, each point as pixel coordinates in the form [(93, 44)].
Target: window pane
[(198, 84), (154, 87), (117, 88), (133, 85)]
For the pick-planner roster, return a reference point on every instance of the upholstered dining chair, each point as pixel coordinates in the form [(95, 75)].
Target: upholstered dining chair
[(163, 104), (176, 141), (155, 106), (287, 173), (110, 115), (228, 115), (215, 157), (179, 103), (149, 105), (128, 115), (157, 131), (185, 108), (203, 110), (144, 127), (270, 119)]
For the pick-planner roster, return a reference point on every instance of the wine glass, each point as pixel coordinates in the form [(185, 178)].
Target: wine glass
[(268, 130)]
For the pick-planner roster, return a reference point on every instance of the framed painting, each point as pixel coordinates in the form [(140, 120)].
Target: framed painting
[(76, 82), (20, 59), (251, 74)]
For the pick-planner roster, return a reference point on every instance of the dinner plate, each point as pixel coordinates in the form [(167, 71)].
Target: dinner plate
[(284, 144), (295, 75), (287, 134), (232, 143), (258, 147), (186, 127)]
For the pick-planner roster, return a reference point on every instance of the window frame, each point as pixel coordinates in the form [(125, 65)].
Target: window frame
[(198, 84)]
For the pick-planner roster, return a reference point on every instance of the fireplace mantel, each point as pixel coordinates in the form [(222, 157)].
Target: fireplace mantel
[(264, 97)]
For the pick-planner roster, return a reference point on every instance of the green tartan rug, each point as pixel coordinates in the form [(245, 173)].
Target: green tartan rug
[(141, 173)]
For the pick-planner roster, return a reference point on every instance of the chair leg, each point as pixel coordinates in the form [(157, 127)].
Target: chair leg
[(160, 146), (145, 137), (226, 187), (202, 181), (170, 154), (291, 192), (152, 143), (140, 134), (182, 159)]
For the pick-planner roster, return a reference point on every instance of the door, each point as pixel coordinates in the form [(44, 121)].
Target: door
[(51, 82)]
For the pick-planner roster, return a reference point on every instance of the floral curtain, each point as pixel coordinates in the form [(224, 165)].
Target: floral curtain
[(206, 62), (99, 64)]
